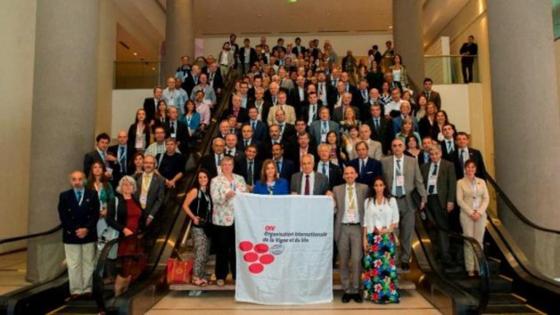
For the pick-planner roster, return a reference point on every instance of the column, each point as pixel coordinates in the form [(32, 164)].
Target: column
[(63, 116), (179, 35), (526, 117), (407, 34)]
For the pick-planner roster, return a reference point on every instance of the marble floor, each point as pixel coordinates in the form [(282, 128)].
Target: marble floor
[(222, 303), (12, 271)]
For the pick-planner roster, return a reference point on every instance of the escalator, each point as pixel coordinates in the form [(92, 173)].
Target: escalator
[(509, 282), (51, 294)]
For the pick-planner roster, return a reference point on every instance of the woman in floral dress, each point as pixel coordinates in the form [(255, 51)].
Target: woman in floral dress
[(381, 217)]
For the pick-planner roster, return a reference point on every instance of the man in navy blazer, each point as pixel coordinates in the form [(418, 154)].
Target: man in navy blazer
[(259, 127), (367, 168), (78, 210), (285, 167)]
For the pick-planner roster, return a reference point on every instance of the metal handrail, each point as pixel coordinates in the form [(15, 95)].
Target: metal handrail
[(98, 284), (514, 209), (484, 269), (28, 236)]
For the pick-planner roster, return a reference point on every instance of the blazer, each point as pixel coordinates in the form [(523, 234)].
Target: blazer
[(150, 107), (397, 124), (281, 187), (335, 174), (375, 149), (446, 154), (466, 195), (338, 113), (315, 129), (260, 132), (181, 134), (240, 168), (242, 116), (252, 55), (208, 162), (413, 181), (74, 216), (217, 82), (155, 196), (132, 136), (434, 97), (288, 109), (304, 111), (474, 155), (425, 128), (339, 195), (372, 169), (127, 160), (122, 215), (293, 154), (320, 184), (446, 181), (265, 109), (385, 133), (287, 169)]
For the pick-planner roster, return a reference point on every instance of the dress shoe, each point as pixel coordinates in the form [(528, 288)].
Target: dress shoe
[(358, 298), (346, 298)]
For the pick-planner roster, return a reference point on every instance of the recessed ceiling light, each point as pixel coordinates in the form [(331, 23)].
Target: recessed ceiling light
[(390, 27), (135, 53)]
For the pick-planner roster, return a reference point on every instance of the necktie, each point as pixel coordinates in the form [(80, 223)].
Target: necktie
[(279, 166), (306, 189), (324, 169), (448, 145), (78, 195), (250, 173), (376, 123), (364, 95), (399, 189), (173, 127), (254, 124), (362, 167), (122, 159), (352, 201), (274, 100), (432, 188)]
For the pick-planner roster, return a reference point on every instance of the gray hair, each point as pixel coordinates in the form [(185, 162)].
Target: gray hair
[(128, 179)]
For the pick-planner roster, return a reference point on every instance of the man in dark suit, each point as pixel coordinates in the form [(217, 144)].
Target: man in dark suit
[(285, 166), (192, 80), (308, 182), (262, 106), (236, 110), (151, 104), (368, 168), (439, 178), (328, 168), (448, 143), (299, 93), (363, 101), (298, 49), (248, 166), (259, 127), (211, 161), (468, 51), (303, 147), (215, 77), (431, 95), (100, 154), (325, 92), (287, 130), (247, 138), (231, 147), (321, 127), (247, 55), (178, 130), (150, 189), (348, 87), (464, 153), (381, 127), (123, 165), (309, 111), (78, 210)]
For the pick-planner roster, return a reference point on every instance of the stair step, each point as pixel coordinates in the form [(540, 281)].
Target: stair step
[(504, 299), (510, 309)]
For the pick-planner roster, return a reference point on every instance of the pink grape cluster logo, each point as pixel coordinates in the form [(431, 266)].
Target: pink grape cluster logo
[(257, 256)]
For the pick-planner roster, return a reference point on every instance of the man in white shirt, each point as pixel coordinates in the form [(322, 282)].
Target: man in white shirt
[(392, 109), (157, 147), (349, 208), (174, 96)]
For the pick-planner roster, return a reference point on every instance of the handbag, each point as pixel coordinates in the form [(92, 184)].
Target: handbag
[(178, 271)]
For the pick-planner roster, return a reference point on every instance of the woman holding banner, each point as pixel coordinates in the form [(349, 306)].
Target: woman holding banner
[(270, 183), (381, 217), (222, 190)]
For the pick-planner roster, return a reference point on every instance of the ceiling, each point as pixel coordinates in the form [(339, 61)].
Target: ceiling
[(218, 17)]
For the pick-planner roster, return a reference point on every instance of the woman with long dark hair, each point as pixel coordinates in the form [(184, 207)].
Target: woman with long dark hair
[(381, 218), (139, 132), (198, 207)]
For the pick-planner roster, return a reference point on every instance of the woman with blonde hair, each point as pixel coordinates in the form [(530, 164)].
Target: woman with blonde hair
[(270, 183)]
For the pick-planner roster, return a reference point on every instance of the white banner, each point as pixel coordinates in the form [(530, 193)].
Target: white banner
[(284, 249)]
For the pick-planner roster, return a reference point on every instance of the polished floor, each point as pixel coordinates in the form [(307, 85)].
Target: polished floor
[(12, 271), (222, 303)]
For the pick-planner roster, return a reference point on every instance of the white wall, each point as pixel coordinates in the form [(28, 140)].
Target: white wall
[(359, 43), (125, 103)]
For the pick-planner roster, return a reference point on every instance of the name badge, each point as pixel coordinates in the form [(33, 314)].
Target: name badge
[(143, 200), (173, 135), (400, 180), (432, 180), (323, 137)]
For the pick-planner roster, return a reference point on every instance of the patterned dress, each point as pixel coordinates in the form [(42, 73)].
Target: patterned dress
[(380, 277)]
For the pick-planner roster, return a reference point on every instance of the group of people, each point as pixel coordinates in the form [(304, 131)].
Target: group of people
[(298, 122)]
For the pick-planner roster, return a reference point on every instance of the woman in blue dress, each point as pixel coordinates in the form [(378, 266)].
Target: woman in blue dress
[(270, 183)]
